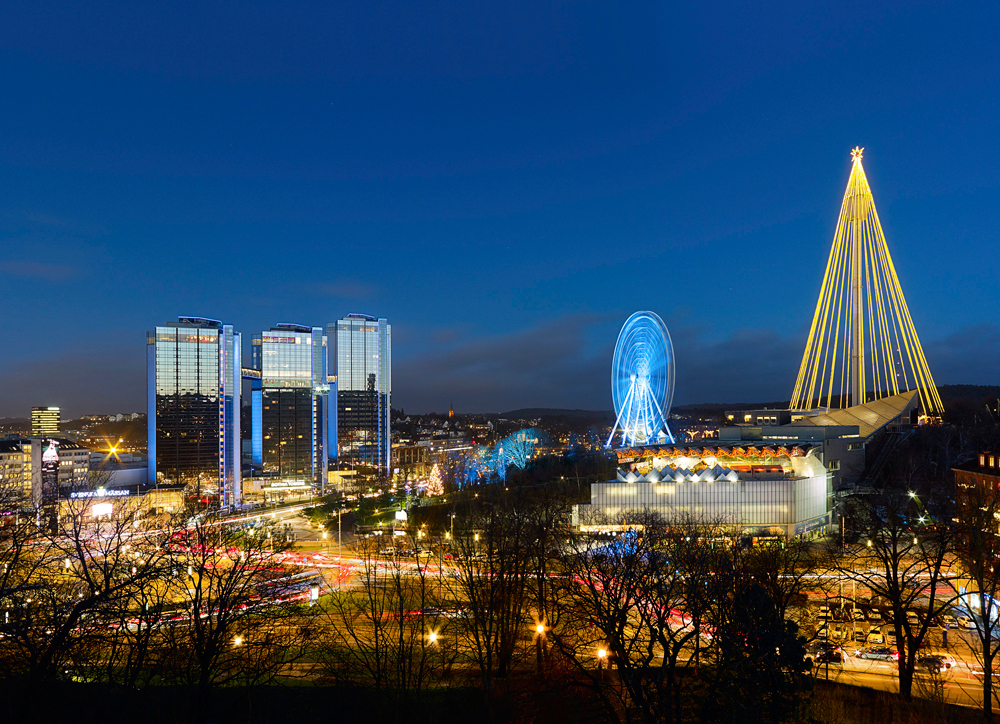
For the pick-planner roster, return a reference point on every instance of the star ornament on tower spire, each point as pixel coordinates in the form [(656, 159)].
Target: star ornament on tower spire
[(856, 153)]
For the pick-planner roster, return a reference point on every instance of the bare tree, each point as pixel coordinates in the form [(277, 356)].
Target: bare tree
[(902, 560), (687, 618), (493, 582), (978, 550), (242, 620), (385, 632), (622, 595), (67, 583)]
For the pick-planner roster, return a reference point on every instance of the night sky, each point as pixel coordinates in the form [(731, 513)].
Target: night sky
[(505, 182)]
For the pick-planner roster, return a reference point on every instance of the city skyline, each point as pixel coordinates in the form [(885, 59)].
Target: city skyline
[(512, 199)]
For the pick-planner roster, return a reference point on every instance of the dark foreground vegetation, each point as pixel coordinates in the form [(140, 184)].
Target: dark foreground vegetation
[(74, 703)]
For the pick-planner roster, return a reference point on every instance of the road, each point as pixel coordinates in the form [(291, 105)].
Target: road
[(959, 685)]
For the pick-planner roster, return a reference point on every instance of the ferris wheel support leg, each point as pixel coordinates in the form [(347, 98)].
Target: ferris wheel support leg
[(614, 428), (664, 418)]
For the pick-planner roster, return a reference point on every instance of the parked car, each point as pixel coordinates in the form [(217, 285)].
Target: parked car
[(966, 622), (858, 615), (861, 633), (912, 618), (875, 636), (948, 620), (878, 653), (838, 632), (936, 662), (815, 647), (875, 615), (830, 657)]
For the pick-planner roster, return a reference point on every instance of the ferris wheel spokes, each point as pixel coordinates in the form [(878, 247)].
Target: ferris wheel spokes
[(642, 380)]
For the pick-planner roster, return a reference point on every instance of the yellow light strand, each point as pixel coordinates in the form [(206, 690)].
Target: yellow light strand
[(880, 328)]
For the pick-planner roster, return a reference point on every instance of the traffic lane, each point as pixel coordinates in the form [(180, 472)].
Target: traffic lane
[(960, 685)]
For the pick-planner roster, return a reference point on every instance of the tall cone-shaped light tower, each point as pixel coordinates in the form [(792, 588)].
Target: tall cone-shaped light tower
[(862, 345)]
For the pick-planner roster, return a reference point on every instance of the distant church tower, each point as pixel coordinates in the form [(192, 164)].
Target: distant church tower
[(451, 410)]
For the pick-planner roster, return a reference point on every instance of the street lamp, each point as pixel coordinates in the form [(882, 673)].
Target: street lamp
[(432, 637), (601, 656)]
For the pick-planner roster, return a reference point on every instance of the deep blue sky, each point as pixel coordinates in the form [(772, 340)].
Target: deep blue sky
[(505, 182)]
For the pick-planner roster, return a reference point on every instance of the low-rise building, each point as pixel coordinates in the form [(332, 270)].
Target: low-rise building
[(762, 490), (775, 473)]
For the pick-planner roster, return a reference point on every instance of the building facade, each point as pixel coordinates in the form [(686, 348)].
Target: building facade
[(978, 480), (290, 407), (15, 486), (360, 350), (44, 421), (193, 407), (759, 490)]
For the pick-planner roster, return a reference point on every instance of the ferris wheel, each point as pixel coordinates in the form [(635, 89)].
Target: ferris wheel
[(642, 380)]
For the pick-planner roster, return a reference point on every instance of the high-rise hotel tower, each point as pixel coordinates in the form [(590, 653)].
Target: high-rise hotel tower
[(361, 359), (44, 421), (193, 385), (290, 406)]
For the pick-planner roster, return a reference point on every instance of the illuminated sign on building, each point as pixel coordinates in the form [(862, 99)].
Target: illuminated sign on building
[(50, 472), (101, 493)]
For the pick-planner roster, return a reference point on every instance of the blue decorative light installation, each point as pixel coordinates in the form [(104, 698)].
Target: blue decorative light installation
[(642, 380)]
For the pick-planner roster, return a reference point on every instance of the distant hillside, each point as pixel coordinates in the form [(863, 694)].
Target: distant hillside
[(532, 413), (950, 395), (723, 406), (953, 396), (968, 393)]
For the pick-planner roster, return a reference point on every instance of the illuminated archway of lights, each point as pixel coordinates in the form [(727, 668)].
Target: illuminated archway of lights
[(862, 344), (642, 380)]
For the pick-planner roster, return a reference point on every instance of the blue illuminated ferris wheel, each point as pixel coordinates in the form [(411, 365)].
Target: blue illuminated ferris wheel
[(642, 380)]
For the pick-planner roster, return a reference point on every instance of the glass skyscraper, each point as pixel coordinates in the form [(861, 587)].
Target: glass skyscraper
[(361, 359), (290, 406), (193, 407)]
